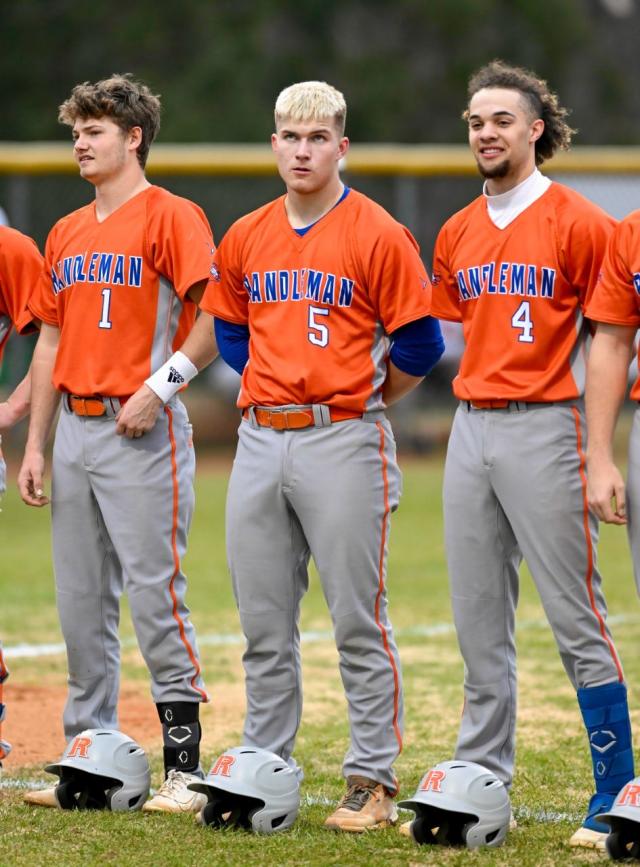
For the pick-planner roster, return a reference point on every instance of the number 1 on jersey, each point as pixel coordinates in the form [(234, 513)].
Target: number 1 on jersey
[(105, 322), (522, 319)]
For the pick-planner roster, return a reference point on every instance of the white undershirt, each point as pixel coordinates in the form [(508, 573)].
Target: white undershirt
[(505, 207)]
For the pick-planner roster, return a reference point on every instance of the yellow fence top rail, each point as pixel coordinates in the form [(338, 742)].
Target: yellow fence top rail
[(39, 158)]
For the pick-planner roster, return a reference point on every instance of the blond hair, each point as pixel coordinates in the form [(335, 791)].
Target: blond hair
[(311, 100)]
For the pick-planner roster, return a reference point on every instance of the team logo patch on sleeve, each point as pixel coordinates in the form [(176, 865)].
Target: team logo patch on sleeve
[(215, 273)]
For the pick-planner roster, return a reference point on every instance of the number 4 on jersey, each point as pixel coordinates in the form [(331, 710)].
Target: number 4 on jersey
[(522, 319)]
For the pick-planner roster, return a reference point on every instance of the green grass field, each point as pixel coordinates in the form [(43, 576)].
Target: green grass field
[(553, 780)]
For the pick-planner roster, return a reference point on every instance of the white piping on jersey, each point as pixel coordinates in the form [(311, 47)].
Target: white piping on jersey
[(505, 207)]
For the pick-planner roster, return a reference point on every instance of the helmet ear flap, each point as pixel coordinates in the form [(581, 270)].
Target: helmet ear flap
[(621, 846), (422, 832)]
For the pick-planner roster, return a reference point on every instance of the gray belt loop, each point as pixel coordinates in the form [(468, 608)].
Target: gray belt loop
[(321, 415), (251, 411), (374, 415)]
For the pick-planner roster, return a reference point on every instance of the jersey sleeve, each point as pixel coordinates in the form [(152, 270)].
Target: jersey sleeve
[(179, 242), (583, 249), (21, 268), (42, 302), (225, 295), (445, 303), (397, 281), (614, 298)]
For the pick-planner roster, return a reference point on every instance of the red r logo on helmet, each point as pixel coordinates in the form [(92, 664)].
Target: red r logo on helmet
[(223, 766), (431, 782), (629, 796), (80, 748)]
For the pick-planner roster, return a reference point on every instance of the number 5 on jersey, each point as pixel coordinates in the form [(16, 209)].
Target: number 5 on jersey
[(522, 319), (318, 333)]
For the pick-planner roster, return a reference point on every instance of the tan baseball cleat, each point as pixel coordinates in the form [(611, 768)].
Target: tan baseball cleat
[(365, 806), (173, 796), (588, 839), (42, 797)]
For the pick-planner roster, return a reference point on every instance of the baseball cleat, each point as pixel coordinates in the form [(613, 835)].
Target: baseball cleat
[(173, 796), (42, 797), (588, 839), (365, 806), (593, 833)]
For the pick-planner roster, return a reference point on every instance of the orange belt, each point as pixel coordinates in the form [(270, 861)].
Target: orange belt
[(295, 419), (92, 406), (490, 404)]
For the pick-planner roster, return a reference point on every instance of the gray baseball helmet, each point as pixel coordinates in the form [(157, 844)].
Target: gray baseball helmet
[(102, 769), (250, 788), (623, 841), (460, 803)]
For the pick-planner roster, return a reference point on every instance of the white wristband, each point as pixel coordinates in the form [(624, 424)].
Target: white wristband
[(172, 376)]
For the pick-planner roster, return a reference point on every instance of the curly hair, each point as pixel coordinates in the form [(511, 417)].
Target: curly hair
[(123, 100), (540, 100)]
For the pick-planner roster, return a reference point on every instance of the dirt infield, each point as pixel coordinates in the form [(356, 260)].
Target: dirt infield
[(34, 721)]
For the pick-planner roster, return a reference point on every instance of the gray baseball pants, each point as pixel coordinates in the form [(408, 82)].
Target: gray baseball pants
[(327, 493), (514, 487), (121, 510)]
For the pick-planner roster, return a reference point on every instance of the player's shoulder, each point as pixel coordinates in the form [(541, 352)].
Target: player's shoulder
[(568, 204), (160, 200), (459, 221), (13, 240), (372, 226), (73, 219), (256, 220)]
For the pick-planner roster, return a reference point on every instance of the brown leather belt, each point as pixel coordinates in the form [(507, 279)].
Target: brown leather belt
[(94, 406), (294, 419), (490, 404)]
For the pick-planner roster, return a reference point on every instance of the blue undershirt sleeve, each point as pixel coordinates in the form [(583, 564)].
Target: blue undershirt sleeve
[(417, 346), (233, 343)]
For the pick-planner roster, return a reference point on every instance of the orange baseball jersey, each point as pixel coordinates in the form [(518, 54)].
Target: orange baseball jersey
[(615, 298), (117, 290), (519, 293), (20, 271), (319, 307)]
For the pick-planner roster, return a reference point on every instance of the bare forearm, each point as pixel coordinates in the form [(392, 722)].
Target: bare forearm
[(398, 384), (44, 397), (607, 373), (200, 346), (16, 406)]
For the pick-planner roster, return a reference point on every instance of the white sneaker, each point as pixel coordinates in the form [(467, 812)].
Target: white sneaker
[(173, 796), (42, 797)]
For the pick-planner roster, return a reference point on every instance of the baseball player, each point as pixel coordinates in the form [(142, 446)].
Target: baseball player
[(614, 306), (326, 296), (20, 269), (123, 276), (515, 267)]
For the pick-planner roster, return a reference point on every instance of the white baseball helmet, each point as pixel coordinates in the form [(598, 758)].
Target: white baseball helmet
[(623, 841), (102, 769), (460, 804), (250, 788)]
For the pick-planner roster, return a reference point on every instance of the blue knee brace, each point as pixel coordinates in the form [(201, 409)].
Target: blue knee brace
[(606, 717)]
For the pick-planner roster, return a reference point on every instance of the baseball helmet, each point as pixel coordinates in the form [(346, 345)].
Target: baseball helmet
[(460, 803), (102, 769), (623, 841), (252, 789)]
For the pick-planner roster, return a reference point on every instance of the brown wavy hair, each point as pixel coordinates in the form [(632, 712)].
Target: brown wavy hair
[(123, 100), (541, 101)]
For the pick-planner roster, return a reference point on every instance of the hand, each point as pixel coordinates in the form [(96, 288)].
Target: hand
[(139, 414), (606, 492), (30, 479)]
